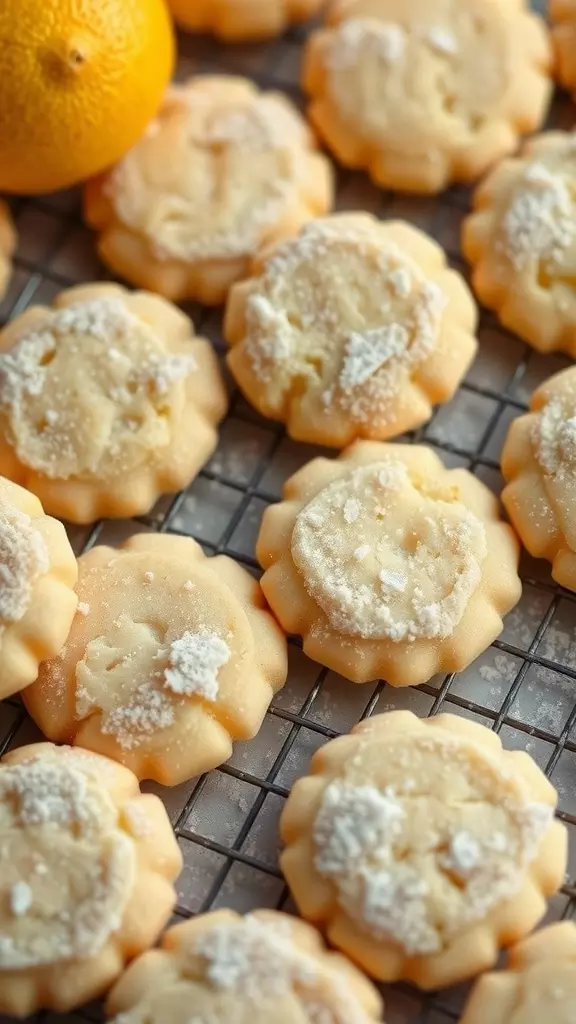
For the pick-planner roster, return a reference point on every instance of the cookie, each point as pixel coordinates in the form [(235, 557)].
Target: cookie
[(421, 847), (243, 171), (7, 245), (539, 984), (521, 242), (173, 656), (106, 402), (87, 864), (423, 93), (240, 21), (539, 466), (229, 969), (354, 329), (37, 576), (388, 564), (563, 17)]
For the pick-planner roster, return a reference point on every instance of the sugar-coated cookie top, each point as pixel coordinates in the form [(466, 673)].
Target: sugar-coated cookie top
[(419, 844), (24, 557), (89, 391), (234, 970), (237, 162), (349, 329)]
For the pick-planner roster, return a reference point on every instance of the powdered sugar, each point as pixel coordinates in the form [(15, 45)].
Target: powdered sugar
[(20, 898), (427, 559), (358, 39), (136, 719), (554, 438), (194, 663), (540, 222), (24, 558), (260, 961), (442, 40)]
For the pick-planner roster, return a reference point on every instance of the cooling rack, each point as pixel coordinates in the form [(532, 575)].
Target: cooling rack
[(524, 686)]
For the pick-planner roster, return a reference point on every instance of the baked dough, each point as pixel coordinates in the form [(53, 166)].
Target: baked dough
[(388, 564), (243, 171), (563, 16), (7, 245), (236, 21), (421, 846), (539, 465), (172, 656), (38, 572), (521, 242), (226, 969), (539, 984), (423, 93), (106, 401), (87, 864), (354, 329)]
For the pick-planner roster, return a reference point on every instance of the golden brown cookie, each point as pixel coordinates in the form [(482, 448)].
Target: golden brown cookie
[(172, 656), (421, 847), (106, 401), (521, 242), (538, 986), (87, 865), (243, 171), (563, 16), (422, 93), (222, 968), (355, 328), (388, 564), (236, 21), (7, 245), (38, 571), (539, 466)]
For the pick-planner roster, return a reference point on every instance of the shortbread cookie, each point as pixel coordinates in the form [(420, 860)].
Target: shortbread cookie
[(226, 969), (539, 986), (388, 564), (106, 401), (563, 15), (243, 170), (38, 571), (421, 847), (87, 864), (242, 20), (354, 329), (521, 242), (7, 245), (423, 93), (172, 656), (539, 465)]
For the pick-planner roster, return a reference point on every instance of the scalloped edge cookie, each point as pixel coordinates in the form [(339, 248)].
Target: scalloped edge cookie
[(242, 21)]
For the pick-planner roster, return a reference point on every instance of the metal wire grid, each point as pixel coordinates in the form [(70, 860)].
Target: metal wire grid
[(525, 685)]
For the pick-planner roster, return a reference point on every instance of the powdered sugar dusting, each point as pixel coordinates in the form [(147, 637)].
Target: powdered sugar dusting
[(364, 38), (23, 559), (540, 222), (194, 662), (554, 438), (258, 961), (132, 722), (422, 894), (426, 562)]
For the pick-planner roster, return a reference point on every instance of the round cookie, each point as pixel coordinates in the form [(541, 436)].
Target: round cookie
[(354, 329), (243, 171), (521, 242), (539, 466), (388, 564), (422, 93), (229, 969), (563, 17), (7, 245), (38, 571), (539, 984), (236, 21), (106, 402), (173, 656), (421, 847), (87, 864)]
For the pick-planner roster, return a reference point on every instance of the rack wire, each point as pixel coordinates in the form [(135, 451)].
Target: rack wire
[(524, 686)]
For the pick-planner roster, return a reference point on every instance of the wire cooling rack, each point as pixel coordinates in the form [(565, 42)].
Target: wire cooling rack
[(524, 686)]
